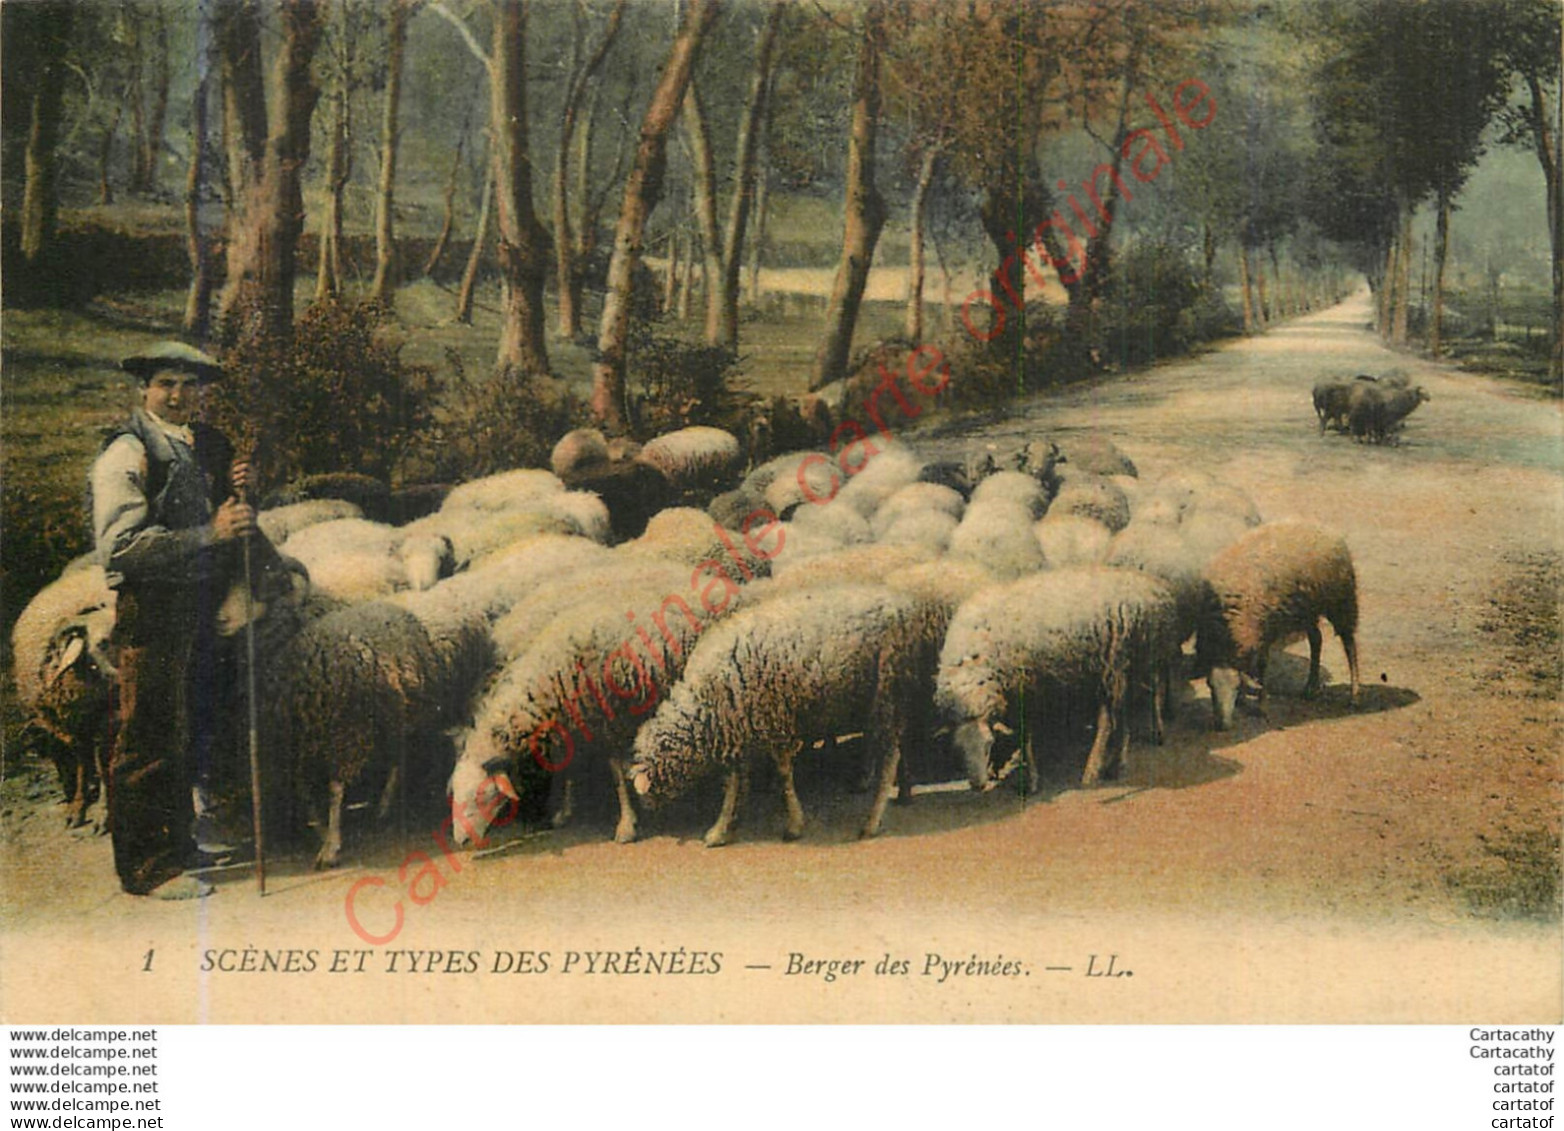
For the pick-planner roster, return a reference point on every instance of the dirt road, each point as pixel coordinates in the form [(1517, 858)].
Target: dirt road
[(1386, 864)]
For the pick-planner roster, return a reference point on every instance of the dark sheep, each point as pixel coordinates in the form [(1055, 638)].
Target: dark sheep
[(631, 491), (1375, 414), (1332, 399)]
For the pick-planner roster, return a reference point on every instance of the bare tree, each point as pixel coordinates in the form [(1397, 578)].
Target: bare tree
[(863, 207), (643, 189), (384, 283)]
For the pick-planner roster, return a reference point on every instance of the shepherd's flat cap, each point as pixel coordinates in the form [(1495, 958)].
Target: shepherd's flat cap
[(172, 355)]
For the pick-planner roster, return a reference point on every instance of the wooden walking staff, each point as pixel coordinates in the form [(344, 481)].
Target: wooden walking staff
[(252, 709)]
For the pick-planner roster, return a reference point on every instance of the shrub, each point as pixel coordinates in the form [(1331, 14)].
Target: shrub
[(338, 398), (1140, 318), (512, 419), (674, 384)]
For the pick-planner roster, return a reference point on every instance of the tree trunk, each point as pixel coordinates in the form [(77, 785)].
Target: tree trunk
[(744, 174), (152, 137), (448, 213), (567, 268), (50, 34), (757, 245), (1208, 247), (523, 244), (1402, 294), (687, 280), (671, 278), (1548, 139), (135, 95), (915, 262), (106, 154), (384, 285), (1387, 286), (270, 207), (643, 188), (1263, 305), (703, 177), (863, 207), (480, 240), (1436, 324), (198, 300), (339, 168), (1244, 289)]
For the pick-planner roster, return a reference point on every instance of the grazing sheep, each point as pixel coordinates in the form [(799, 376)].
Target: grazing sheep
[(1098, 630), (499, 581), (281, 523), (916, 498), (731, 508), (1223, 499), (998, 535), (776, 676), (805, 478), (1165, 553), (1072, 539), (689, 536), (891, 468), (1013, 486), (348, 699), (1272, 585), (1094, 496), (426, 558), (929, 529), (1332, 399), (837, 520), (517, 630), (506, 490), (1039, 459), (551, 705), (1376, 414), (839, 565), (1095, 455), (578, 450), (698, 458)]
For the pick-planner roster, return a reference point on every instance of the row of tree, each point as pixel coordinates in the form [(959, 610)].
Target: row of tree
[(1334, 121)]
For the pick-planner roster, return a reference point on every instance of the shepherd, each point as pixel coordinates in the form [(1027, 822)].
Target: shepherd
[(170, 526)]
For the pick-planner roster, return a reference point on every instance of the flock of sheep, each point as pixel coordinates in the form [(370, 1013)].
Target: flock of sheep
[(1370, 409), (559, 632)]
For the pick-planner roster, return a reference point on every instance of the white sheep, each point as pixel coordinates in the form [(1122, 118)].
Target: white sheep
[(281, 523), (350, 558), (506, 490), (1272, 585), (930, 529), (576, 696), (837, 520), (916, 498), (1094, 496), (1015, 487), (693, 458), (891, 468), (1095, 630), (76, 594), (1072, 539), (775, 676), (690, 536), (998, 534)]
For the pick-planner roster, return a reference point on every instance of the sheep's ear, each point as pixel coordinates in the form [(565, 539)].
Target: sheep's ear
[(74, 646), (502, 783), (1249, 683)]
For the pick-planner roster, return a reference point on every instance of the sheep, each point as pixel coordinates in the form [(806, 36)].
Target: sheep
[(281, 523), (370, 495), (917, 498), (1095, 629), (344, 699), (632, 493), (841, 564), (1331, 402), (474, 534), (1270, 586), (1039, 459), (416, 500), (891, 468), (961, 476), (1072, 539), (930, 529), (772, 678), (731, 508), (1165, 553), (1096, 455), (72, 596), (1014, 486), (689, 536), (698, 458), (1375, 415), (426, 558), (1225, 499), (355, 559), (496, 583), (999, 535), (1094, 496), (837, 520), (506, 490), (807, 478), (549, 705), (576, 450)]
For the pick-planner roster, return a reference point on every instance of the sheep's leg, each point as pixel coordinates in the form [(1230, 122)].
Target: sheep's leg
[(1159, 699), (1034, 773), (1099, 752), (1349, 642), (1261, 697), (331, 842), (795, 811), (1312, 688), (721, 831), (625, 832), (567, 803), (388, 794), (890, 771), (75, 809)]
